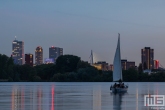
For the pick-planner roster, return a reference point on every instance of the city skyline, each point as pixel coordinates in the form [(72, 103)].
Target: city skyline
[(81, 26), (147, 56), (94, 57)]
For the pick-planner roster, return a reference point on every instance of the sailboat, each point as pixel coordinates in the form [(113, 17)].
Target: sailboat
[(117, 72)]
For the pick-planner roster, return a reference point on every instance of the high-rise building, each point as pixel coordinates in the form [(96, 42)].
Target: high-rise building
[(29, 59), (55, 52), (147, 57), (39, 55), (18, 52)]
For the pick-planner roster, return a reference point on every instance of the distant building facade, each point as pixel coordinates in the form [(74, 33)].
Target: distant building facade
[(127, 64), (18, 52), (111, 67), (55, 52), (130, 64), (39, 56), (101, 65), (147, 58), (29, 59), (48, 60), (156, 64), (124, 64)]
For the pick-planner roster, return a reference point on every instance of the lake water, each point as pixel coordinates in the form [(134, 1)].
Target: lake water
[(75, 96)]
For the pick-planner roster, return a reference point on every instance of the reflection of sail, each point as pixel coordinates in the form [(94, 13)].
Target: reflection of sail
[(117, 101)]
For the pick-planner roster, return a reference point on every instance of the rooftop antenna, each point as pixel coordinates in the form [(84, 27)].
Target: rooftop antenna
[(15, 37)]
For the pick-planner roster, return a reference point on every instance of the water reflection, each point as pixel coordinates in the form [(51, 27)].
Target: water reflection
[(117, 100), (137, 95), (74, 96), (97, 98), (39, 99), (52, 103), (32, 98), (17, 99)]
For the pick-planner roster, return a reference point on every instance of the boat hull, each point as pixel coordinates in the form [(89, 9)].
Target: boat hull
[(118, 90)]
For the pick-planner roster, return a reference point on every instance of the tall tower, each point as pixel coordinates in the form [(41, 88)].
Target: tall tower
[(91, 58), (147, 57), (55, 52), (39, 55), (18, 52)]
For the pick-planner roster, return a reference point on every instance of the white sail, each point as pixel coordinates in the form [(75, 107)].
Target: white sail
[(117, 71)]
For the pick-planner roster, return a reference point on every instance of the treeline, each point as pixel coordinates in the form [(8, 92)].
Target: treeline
[(68, 68)]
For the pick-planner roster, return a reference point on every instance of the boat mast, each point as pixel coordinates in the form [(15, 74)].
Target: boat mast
[(120, 58)]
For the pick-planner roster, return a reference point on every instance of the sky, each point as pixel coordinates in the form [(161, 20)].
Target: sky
[(79, 26)]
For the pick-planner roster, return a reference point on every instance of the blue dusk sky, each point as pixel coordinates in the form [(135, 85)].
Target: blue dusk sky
[(78, 26)]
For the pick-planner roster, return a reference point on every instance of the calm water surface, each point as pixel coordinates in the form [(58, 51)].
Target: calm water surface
[(74, 96)]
